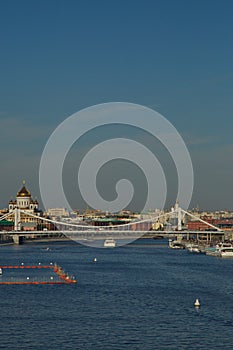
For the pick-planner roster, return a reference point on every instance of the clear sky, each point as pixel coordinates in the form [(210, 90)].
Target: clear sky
[(176, 57)]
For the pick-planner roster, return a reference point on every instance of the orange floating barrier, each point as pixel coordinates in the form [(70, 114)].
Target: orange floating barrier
[(63, 277)]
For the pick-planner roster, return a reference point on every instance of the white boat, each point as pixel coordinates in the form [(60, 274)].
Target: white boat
[(221, 249), (0, 271), (193, 248), (175, 244), (109, 243), (224, 245), (226, 252), (213, 251)]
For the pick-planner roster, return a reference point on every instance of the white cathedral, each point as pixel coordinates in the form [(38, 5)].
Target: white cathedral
[(24, 201)]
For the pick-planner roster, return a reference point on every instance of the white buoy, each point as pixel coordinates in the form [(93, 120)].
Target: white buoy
[(95, 260), (27, 278), (197, 303)]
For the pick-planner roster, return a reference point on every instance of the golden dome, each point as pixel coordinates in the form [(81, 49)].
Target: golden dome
[(24, 192)]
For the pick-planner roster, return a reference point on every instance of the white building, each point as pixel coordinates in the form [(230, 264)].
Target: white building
[(25, 202), (57, 212)]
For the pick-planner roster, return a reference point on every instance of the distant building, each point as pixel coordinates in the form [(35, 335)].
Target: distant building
[(225, 224), (6, 225), (57, 212), (25, 202)]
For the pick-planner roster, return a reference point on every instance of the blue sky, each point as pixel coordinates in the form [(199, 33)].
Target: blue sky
[(176, 57)]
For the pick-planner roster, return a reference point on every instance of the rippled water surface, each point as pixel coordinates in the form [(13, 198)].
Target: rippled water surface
[(138, 296)]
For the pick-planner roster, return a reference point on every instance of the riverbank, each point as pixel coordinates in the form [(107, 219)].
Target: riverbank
[(68, 239)]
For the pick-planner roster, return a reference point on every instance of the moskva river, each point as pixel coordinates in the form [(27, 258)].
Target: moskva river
[(139, 296)]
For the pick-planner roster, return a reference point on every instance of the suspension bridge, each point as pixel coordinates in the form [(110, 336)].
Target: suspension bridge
[(79, 231)]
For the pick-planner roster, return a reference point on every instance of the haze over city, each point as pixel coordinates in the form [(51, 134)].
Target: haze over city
[(174, 57)]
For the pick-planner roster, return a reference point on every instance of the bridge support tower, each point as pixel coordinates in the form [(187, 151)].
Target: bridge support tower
[(17, 220)]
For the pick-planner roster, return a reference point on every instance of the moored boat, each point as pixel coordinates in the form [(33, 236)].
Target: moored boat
[(175, 244), (226, 252), (193, 248), (213, 251), (221, 250), (109, 243)]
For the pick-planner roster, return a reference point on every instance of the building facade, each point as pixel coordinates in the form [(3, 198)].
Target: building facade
[(28, 205)]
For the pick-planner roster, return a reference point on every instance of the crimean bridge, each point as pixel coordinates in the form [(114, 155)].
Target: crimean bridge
[(130, 231)]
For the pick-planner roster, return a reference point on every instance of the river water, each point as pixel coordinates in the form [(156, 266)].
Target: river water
[(138, 296)]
